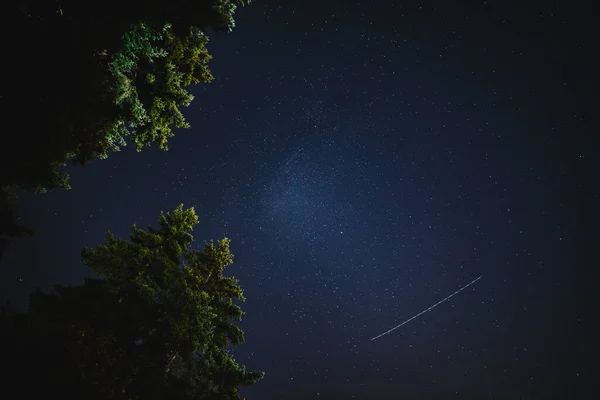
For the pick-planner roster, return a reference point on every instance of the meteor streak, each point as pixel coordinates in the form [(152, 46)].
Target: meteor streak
[(424, 311)]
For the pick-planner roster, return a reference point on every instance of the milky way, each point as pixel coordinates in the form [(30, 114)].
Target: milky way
[(303, 198)]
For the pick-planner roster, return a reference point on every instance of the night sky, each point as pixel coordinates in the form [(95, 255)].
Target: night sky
[(367, 160)]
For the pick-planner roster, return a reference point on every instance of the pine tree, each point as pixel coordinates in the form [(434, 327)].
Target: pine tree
[(113, 72), (157, 324), (87, 78)]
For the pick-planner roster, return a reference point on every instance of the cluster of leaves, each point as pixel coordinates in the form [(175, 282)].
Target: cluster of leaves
[(148, 80), (117, 69), (157, 325), (86, 78)]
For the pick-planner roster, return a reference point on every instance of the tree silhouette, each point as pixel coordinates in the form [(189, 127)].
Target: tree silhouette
[(157, 324), (86, 78)]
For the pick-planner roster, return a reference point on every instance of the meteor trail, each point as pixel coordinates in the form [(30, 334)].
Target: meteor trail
[(424, 311)]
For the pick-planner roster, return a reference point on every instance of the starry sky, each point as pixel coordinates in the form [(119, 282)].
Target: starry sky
[(367, 159)]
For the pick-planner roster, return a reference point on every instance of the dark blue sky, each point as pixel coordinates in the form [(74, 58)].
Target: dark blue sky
[(367, 160)]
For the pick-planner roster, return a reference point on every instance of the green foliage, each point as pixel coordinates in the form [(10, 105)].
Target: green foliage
[(117, 71), (157, 324), (114, 72), (148, 79)]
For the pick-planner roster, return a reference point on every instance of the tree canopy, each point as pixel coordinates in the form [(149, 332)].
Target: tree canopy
[(86, 78), (156, 323), (94, 74)]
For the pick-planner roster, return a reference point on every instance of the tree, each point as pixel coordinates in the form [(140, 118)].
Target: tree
[(157, 324), (86, 78), (112, 70)]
